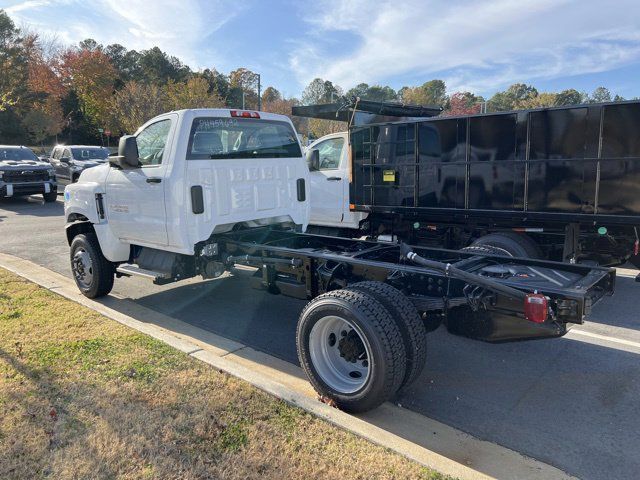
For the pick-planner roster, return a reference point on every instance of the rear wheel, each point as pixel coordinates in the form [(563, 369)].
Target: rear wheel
[(92, 272), (351, 349), (412, 328), (511, 244)]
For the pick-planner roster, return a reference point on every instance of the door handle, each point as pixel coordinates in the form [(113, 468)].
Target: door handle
[(154, 180), (333, 179)]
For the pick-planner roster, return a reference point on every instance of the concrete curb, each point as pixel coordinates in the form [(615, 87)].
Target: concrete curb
[(414, 436)]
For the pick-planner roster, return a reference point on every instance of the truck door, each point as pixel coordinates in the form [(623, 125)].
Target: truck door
[(135, 196), (329, 184)]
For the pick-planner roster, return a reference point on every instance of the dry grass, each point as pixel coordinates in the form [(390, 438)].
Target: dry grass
[(82, 396)]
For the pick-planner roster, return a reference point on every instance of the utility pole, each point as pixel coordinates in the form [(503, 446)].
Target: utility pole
[(259, 96), (242, 99)]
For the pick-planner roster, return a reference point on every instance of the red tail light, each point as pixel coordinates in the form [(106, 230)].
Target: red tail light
[(536, 307), (243, 114), (636, 247)]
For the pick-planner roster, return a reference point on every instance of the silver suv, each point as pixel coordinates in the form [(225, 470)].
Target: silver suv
[(70, 160)]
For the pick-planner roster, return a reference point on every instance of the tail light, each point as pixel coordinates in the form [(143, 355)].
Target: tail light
[(636, 247), (244, 114), (536, 307)]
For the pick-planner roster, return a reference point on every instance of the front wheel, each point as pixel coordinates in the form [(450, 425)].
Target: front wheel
[(50, 197), (351, 349), (92, 272)]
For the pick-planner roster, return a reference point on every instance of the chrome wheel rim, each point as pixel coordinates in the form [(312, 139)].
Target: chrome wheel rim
[(340, 354), (82, 267)]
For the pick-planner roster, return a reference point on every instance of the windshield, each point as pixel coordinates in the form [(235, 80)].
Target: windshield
[(17, 154), (90, 153), (241, 138)]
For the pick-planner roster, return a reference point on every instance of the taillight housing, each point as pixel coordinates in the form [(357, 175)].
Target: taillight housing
[(536, 307), (244, 114)]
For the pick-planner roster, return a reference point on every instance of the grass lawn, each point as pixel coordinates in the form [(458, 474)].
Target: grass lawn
[(82, 396)]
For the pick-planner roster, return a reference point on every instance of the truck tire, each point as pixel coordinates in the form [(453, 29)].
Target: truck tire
[(50, 197), (351, 349), (412, 328), (511, 244), (92, 272)]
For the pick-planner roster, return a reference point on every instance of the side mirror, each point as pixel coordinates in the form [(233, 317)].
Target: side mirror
[(127, 153), (65, 159), (313, 160)]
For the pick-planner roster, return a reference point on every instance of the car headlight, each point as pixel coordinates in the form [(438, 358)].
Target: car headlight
[(1, 173)]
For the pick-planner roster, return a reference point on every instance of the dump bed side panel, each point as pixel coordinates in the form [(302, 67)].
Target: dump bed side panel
[(579, 162)]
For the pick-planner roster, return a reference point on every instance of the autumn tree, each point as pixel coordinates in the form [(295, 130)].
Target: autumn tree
[(433, 92), (134, 104), (90, 74), (464, 103), (243, 89), (194, 93)]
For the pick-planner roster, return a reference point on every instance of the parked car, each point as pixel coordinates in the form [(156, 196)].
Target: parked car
[(69, 161), (23, 173)]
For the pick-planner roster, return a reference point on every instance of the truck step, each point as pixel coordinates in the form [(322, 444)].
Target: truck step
[(159, 278)]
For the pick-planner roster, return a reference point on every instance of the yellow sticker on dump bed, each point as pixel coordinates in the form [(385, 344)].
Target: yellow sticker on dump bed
[(388, 175)]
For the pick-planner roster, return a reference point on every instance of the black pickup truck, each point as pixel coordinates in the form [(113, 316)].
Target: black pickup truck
[(23, 173), (556, 183)]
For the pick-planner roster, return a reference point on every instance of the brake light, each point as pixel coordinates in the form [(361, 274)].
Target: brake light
[(536, 307), (244, 114), (636, 247)]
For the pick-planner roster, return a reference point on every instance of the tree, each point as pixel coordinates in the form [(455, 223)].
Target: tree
[(542, 100), (90, 75), (320, 91), (270, 95), (194, 93), (515, 97), (600, 95), (433, 92), (376, 93), (13, 63), (569, 97), (464, 103), (155, 66), (40, 125), (134, 104), (243, 89)]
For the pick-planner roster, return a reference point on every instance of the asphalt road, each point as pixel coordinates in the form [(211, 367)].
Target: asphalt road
[(572, 402)]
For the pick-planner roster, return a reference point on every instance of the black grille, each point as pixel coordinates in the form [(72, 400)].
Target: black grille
[(25, 176)]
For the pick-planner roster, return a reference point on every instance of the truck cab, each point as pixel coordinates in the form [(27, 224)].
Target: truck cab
[(329, 183), (187, 175)]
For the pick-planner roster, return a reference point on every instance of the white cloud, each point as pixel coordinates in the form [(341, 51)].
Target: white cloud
[(472, 45), (177, 27)]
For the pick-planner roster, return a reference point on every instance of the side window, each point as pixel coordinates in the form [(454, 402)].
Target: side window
[(152, 141), (67, 153), (330, 153), (56, 153)]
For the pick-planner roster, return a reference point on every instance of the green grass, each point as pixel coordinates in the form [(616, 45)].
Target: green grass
[(82, 396)]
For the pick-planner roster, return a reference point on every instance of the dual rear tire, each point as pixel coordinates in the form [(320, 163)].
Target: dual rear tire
[(360, 345)]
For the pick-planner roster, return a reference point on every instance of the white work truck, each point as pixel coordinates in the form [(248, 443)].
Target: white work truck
[(196, 192), (183, 177), (329, 184)]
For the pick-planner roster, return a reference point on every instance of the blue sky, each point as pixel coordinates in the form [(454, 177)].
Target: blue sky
[(478, 46)]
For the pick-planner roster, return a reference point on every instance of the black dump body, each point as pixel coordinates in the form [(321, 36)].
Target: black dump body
[(579, 164), (576, 164)]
